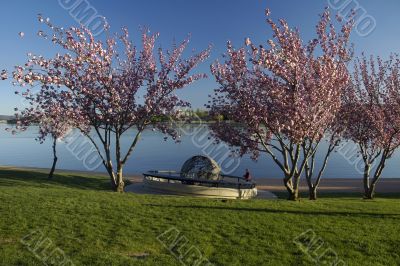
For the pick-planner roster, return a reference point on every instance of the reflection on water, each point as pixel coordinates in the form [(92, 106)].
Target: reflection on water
[(152, 152)]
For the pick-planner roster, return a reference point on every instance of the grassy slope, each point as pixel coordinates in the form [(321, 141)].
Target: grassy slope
[(96, 227)]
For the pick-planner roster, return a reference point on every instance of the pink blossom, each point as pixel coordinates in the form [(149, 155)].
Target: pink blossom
[(283, 99), (3, 75), (97, 87), (372, 114)]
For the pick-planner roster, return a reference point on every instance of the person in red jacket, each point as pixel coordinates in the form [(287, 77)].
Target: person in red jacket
[(247, 175)]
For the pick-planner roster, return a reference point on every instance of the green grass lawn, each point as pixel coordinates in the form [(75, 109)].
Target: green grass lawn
[(78, 217)]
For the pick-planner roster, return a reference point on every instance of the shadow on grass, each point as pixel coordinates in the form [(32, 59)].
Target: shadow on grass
[(329, 194), (265, 210), (28, 178)]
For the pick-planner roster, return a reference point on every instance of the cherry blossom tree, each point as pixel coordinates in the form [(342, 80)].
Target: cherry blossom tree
[(282, 100), (372, 115), (111, 89), (52, 122)]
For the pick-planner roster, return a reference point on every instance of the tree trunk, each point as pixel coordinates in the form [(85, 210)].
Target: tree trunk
[(296, 184), (309, 172), (369, 187), (110, 170), (120, 180), (53, 167), (116, 179), (294, 195), (292, 186), (312, 193), (370, 193), (367, 169), (312, 188), (287, 181)]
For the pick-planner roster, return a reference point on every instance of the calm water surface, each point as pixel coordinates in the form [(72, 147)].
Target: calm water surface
[(152, 152)]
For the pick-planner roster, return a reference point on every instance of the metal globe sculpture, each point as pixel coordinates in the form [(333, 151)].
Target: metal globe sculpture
[(201, 167)]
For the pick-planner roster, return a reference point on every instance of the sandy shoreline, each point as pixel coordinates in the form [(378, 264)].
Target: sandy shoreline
[(385, 185), (348, 185)]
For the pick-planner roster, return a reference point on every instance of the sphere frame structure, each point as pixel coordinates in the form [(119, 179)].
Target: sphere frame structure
[(200, 176)]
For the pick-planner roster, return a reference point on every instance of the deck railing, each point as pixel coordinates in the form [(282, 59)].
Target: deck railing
[(223, 181)]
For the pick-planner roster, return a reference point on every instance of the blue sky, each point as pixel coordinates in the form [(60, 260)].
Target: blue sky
[(209, 22)]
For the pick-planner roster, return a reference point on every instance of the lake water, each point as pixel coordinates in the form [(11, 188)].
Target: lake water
[(153, 153)]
